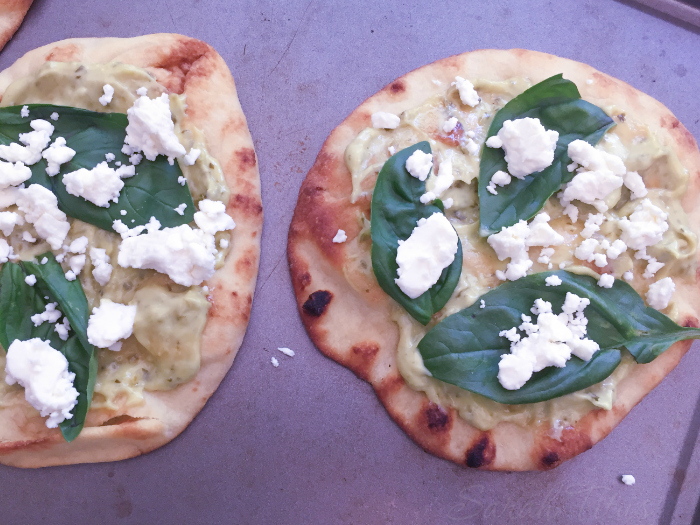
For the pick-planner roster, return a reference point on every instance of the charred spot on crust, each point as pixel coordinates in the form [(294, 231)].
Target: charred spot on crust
[(691, 323), (550, 459), (317, 302), (437, 418), (246, 158), (621, 117), (481, 453), (397, 87)]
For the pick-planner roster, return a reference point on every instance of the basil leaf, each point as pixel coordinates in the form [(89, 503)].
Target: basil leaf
[(152, 192), (464, 349), (558, 105), (18, 301), (396, 208)]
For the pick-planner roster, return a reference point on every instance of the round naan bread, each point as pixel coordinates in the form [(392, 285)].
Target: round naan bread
[(354, 326), (190, 67)]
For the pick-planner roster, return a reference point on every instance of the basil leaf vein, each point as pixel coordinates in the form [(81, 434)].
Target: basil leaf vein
[(464, 349), (557, 103), (396, 209)]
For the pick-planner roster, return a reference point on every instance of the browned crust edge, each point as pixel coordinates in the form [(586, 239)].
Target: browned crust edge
[(355, 328)]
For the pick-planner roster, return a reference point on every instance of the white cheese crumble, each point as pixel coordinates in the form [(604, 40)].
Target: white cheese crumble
[(43, 372), (340, 237), (181, 180), (99, 185), (450, 124), (142, 91), (447, 203), (56, 154), (30, 280), (184, 254), (110, 157), (76, 263), (287, 351), (644, 227), (108, 91), (660, 293), (53, 116), (110, 322), (601, 174), (5, 251), (653, 266), (191, 157), (26, 236), (606, 280), (482, 304), (151, 129), (628, 479), (635, 184), (467, 93), (529, 147), (40, 208), (513, 242), (419, 164), (422, 257), (628, 276), (78, 245), (24, 112), (34, 143), (8, 221), (500, 178), (549, 342), (384, 120), (592, 225), (101, 269), (50, 315), (212, 217), (180, 210), (274, 361), (552, 280), (439, 183), (13, 174)]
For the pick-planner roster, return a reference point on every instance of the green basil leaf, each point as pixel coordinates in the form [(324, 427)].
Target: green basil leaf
[(396, 208), (558, 105), (464, 349), (18, 301), (152, 192)]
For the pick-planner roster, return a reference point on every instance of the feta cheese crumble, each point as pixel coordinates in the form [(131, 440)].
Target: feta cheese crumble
[(50, 314), (13, 174), (549, 342), (110, 322), (450, 124), (552, 280), (606, 280), (184, 254), (56, 154), (628, 479), (384, 120), (108, 91), (191, 157), (644, 227), (287, 351), (43, 372), (212, 217), (467, 93), (99, 185), (529, 147), (500, 178), (660, 293), (53, 116), (180, 210), (151, 129), (419, 164), (422, 257), (101, 269), (24, 112), (34, 143), (274, 361), (340, 237), (40, 208), (439, 183), (8, 221)]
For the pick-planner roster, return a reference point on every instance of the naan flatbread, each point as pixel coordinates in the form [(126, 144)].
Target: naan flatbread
[(12, 12), (355, 328), (191, 67)]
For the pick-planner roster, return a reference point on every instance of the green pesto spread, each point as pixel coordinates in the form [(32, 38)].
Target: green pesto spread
[(664, 177), (163, 350)]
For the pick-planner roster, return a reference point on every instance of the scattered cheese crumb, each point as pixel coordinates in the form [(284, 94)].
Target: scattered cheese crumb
[(24, 112), (30, 280), (528, 145), (53, 116), (180, 210), (419, 164), (287, 351), (628, 276), (482, 304), (467, 93), (340, 237), (110, 322), (552, 280), (450, 125), (660, 293), (384, 120), (108, 94), (192, 156), (606, 280), (628, 479), (274, 362), (110, 157)]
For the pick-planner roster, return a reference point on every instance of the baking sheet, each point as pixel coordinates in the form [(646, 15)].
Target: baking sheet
[(308, 442)]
